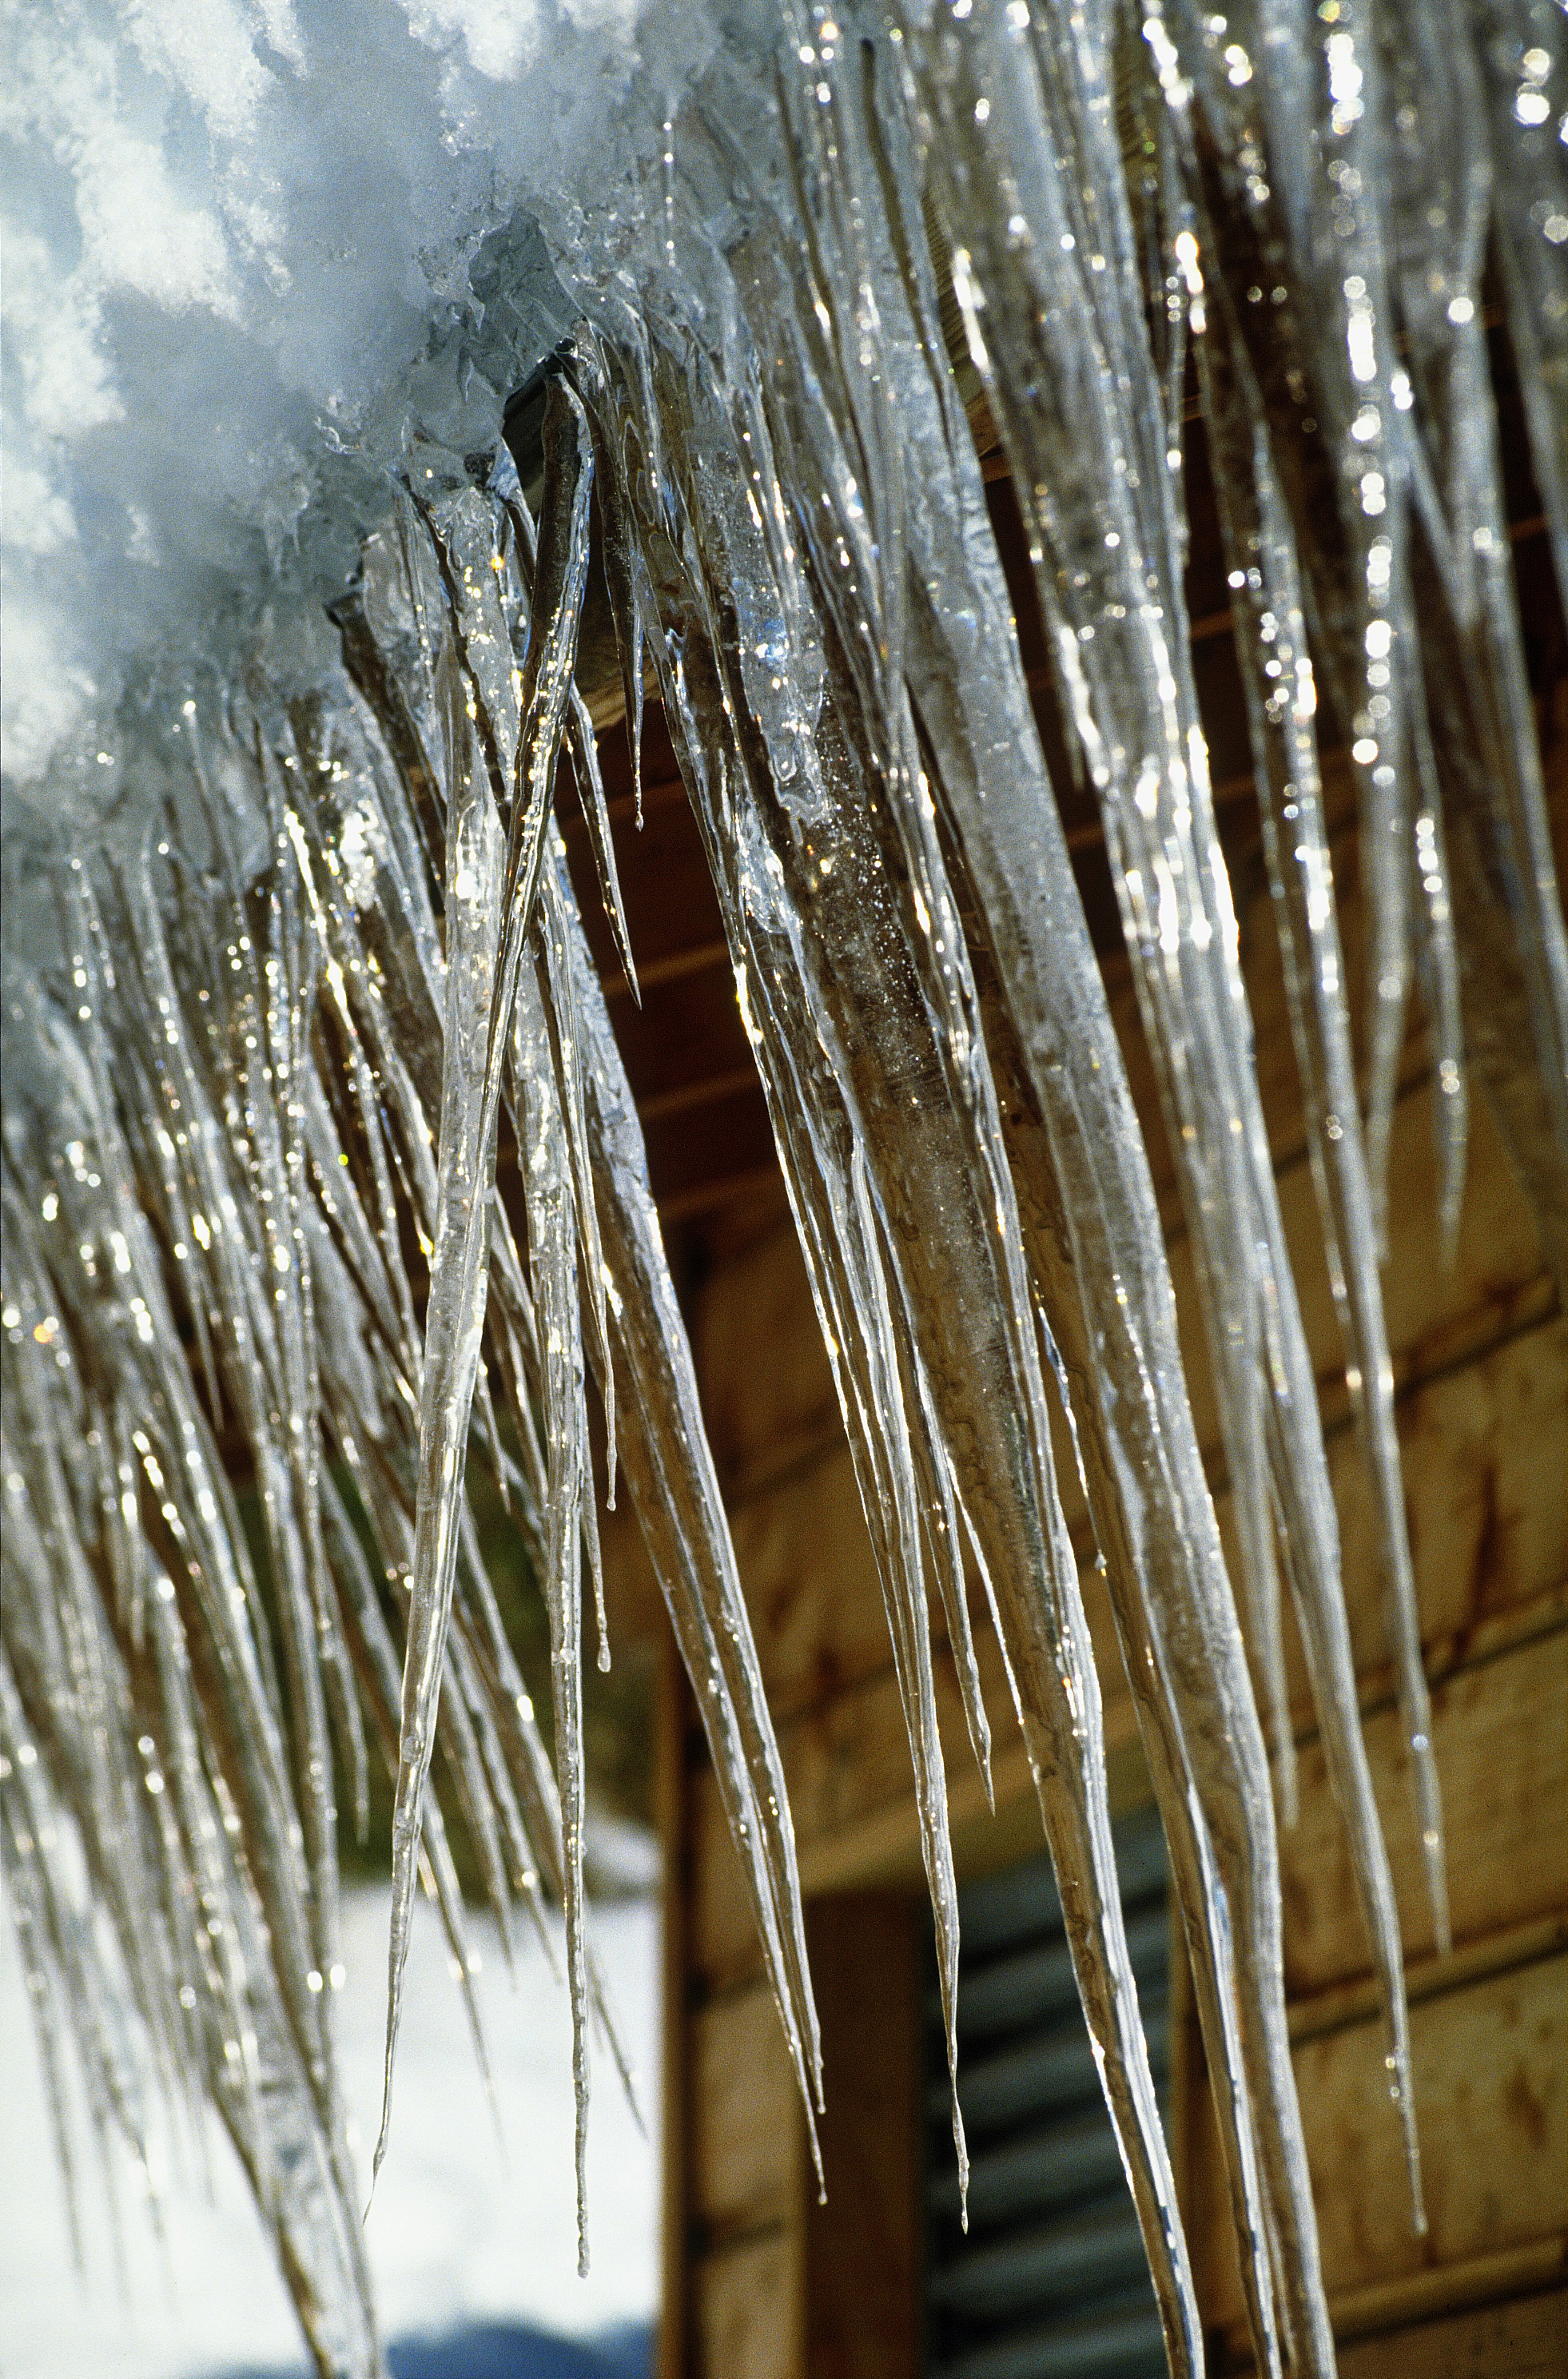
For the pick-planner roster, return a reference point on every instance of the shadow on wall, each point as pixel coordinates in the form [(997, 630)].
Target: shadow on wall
[(506, 2350)]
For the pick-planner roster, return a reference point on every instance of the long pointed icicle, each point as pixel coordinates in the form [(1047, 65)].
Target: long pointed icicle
[(1277, 675), (1507, 909), (458, 1281), (543, 1077), (1100, 534), (581, 740), (682, 1518), (546, 1176), (773, 873), (1103, 532), (559, 574), (1381, 592), (669, 1469), (1290, 164), (245, 1986)]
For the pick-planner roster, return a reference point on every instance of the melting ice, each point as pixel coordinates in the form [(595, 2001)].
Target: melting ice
[(296, 672)]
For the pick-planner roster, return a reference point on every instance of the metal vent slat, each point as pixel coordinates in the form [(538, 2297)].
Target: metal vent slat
[(1051, 2278), (1037, 1984), (1001, 1910), (1111, 2342), (1056, 2070), (1085, 2254)]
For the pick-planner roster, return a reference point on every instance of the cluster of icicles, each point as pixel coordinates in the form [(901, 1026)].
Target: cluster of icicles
[(259, 1223)]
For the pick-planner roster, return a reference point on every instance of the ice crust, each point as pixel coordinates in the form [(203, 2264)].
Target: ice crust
[(244, 242), (295, 954)]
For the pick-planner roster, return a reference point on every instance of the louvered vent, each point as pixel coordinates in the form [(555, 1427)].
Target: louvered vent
[(1051, 2281)]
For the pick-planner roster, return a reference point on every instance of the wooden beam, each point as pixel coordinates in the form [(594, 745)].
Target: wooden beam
[(861, 2248), (1403, 2317), (672, 1819), (1526, 2338), (1431, 1977)]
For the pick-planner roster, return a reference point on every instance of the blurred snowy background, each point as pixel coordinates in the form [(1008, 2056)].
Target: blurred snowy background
[(472, 2242)]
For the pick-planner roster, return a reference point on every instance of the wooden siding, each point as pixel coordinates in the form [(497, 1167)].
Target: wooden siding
[(1480, 1354), (1479, 1350)]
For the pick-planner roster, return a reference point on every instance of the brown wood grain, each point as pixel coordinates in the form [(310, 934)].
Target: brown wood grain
[(1506, 2318), (671, 1814), (1491, 2098), (743, 2113), (1437, 1315), (861, 2249), (1526, 2340), (744, 2322), (1485, 1454), (1501, 1734)]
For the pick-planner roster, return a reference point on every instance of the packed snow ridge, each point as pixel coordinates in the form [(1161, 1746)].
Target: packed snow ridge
[(242, 239)]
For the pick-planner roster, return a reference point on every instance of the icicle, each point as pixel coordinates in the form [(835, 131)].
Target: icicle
[(1103, 528), (511, 1726), (795, 883), (1277, 675), (580, 735), (177, 1458), (552, 1247), (1159, 822), (556, 923), (1522, 50), (454, 1322), (744, 1748), (943, 1549), (625, 577), (1304, 222), (670, 1471), (561, 575), (596, 812), (1507, 912), (219, 1985), (380, 1673)]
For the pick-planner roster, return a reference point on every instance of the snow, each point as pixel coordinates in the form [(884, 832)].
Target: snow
[(458, 2229), (236, 241)]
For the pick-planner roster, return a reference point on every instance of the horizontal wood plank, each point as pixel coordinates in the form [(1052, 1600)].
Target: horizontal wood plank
[(1482, 1449), (1501, 1734), (1495, 2317), (1485, 1455), (1437, 1315), (1491, 2106), (1525, 2339)]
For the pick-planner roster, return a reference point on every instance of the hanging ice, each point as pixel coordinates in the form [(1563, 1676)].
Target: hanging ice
[(328, 959)]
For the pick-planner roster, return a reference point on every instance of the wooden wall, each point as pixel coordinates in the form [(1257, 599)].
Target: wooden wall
[(758, 2285)]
